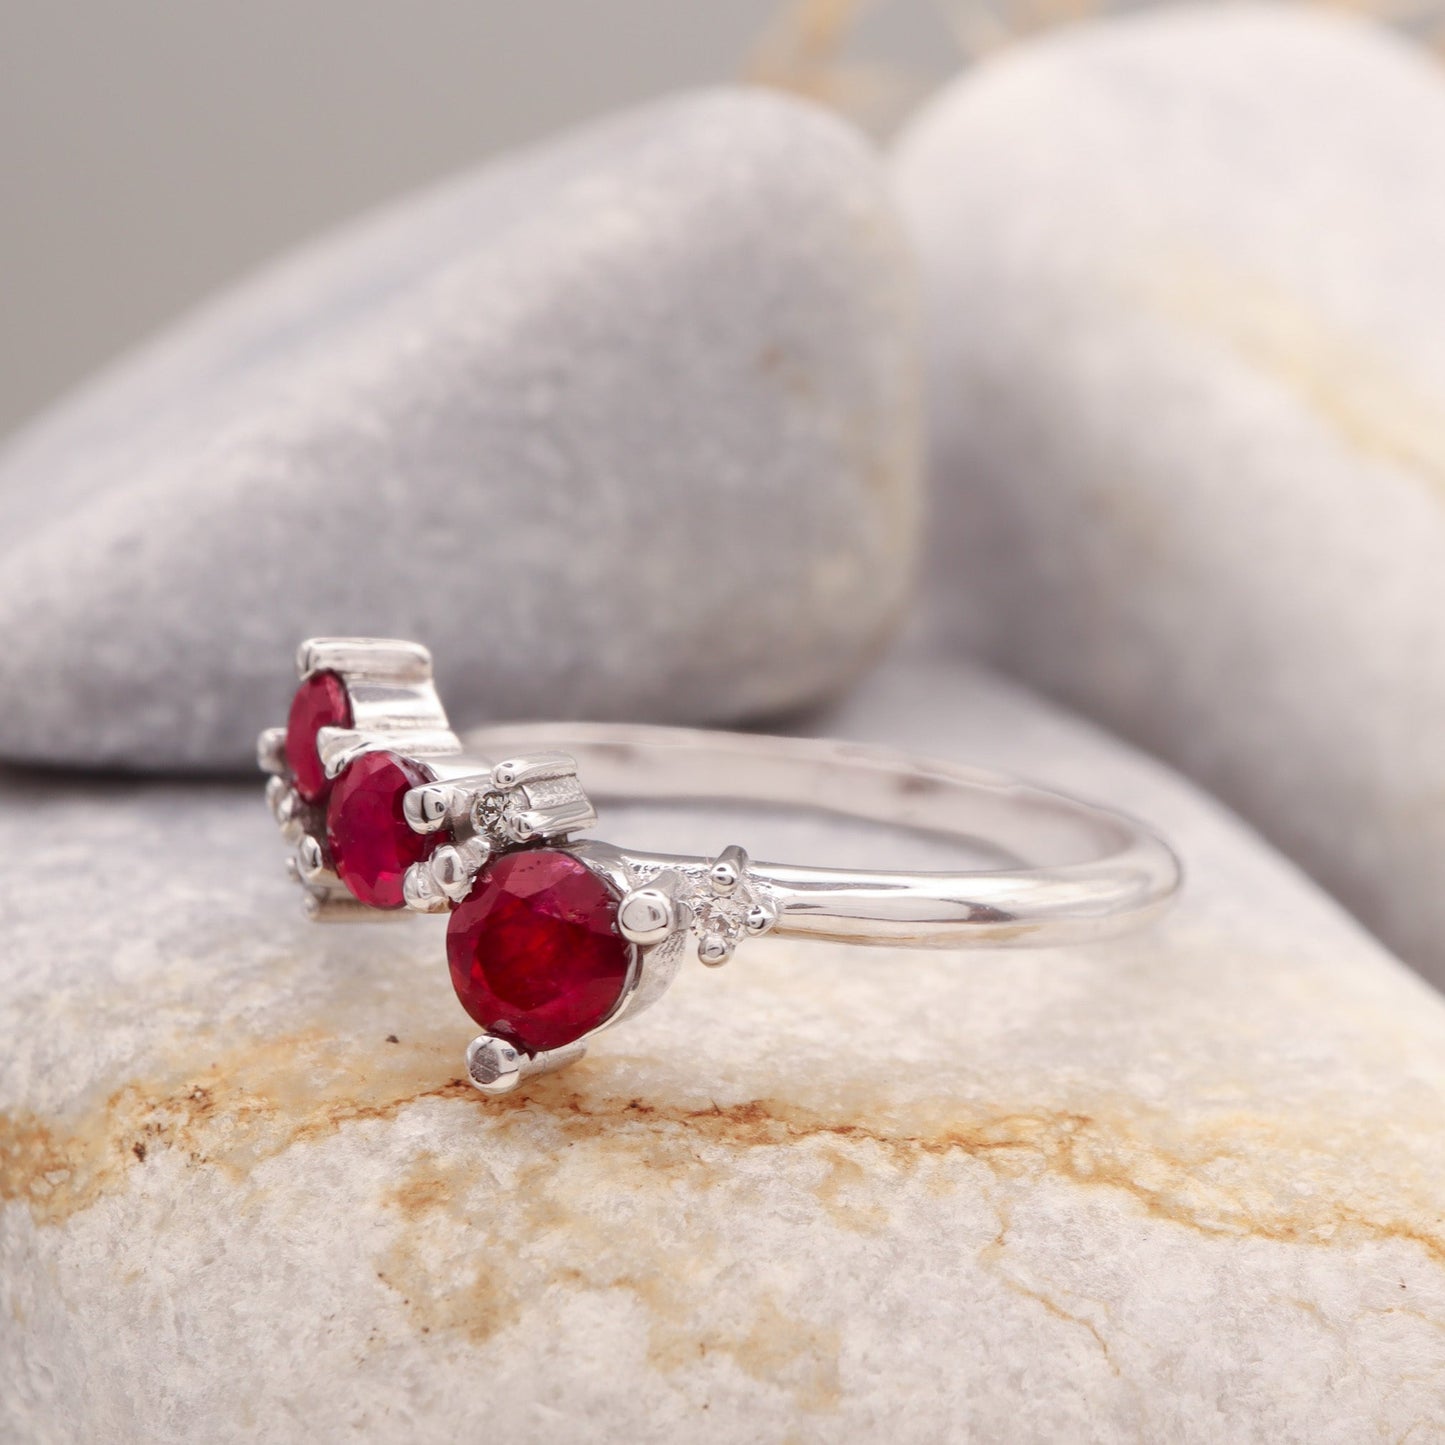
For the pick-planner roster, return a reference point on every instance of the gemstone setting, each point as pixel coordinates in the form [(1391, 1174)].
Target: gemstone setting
[(367, 834), (320, 702), (535, 953)]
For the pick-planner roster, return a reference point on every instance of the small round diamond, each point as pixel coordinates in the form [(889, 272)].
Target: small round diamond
[(371, 843), (320, 702)]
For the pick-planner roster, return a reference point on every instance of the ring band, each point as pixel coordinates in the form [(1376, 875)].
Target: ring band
[(1110, 873), (553, 938)]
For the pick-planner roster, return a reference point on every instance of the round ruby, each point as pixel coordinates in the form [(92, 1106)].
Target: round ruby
[(371, 843), (535, 954), (320, 702)]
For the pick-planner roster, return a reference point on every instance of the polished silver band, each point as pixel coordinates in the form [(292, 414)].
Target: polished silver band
[(1082, 872)]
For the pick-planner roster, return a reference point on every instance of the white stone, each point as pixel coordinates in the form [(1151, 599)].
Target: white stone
[(1187, 363), (626, 425), (1184, 1187)]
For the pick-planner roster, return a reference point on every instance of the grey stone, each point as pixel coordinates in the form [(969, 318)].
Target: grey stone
[(626, 425), (1187, 358), (1185, 1186)]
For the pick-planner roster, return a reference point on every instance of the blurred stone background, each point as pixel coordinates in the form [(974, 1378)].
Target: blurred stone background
[(150, 152)]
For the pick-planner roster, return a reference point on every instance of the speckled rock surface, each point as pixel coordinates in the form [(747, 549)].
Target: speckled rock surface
[(1185, 1187), (560, 416), (1187, 358)]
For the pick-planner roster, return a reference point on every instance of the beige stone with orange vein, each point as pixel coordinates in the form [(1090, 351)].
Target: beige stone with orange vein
[(1182, 1187)]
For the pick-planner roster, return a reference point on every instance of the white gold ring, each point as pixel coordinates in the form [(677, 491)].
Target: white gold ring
[(551, 939)]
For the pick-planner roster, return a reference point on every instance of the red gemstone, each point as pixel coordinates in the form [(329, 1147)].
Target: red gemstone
[(534, 949), (371, 843), (320, 702)]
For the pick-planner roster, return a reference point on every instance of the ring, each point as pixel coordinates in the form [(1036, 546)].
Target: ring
[(551, 939)]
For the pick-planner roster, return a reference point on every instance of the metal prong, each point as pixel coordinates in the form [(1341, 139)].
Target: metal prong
[(496, 1067), (276, 789), (338, 747), (649, 914), (553, 820), (761, 917), (453, 866), (714, 949), (727, 871), (419, 890), (271, 751), (534, 768), (312, 865), (381, 659), (290, 814), (493, 1065), (519, 827), (427, 808)]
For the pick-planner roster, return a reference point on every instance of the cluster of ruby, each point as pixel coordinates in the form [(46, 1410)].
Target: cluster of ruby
[(535, 952)]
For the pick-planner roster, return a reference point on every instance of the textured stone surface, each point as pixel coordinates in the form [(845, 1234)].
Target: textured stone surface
[(1184, 1187), (626, 425), (1187, 362)]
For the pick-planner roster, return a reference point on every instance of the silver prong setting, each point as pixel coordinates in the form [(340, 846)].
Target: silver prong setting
[(394, 708), (340, 747), (760, 918), (649, 914), (714, 949), (720, 902), (428, 808), (449, 872), (496, 1067), (419, 890), (493, 1065), (727, 871), (535, 768), (271, 751), (373, 659), (313, 867), (290, 812), (276, 790), (521, 827), (522, 801), (455, 865)]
